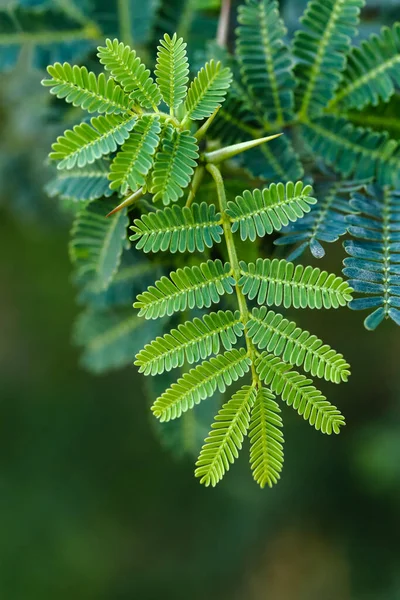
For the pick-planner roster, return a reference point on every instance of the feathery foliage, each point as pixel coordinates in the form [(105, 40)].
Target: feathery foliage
[(135, 159), (129, 71), (372, 71), (172, 70), (296, 390), (226, 437), (174, 166), (86, 143), (162, 155), (178, 229), (297, 347), (280, 282), (81, 184), (266, 64), (97, 242), (355, 151), (266, 439), (192, 341), (325, 222), (83, 88), (186, 288), (207, 91), (200, 383), (258, 213), (374, 263), (321, 47)]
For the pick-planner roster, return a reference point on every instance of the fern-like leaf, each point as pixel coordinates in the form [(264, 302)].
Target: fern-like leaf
[(260, 212), (188, 287), (321, 48), (326, 221), (225, 439), (85, 184), (86, 143), (172, 70), (296, 390), (97, 242), (265, 59), (134, 274), (83, 88), (178, 229), (174, 165), (110, 338), (200, 383), (207, 91), (354, 151), (374, 266), (192, 341), (372, 72), (281, 282), (266, 439), (271, 331), (135, 159), (129, 71)]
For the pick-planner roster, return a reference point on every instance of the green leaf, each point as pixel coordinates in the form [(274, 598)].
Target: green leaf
[(321, 48), (271, 331), (174, 165), (128, 70), (372, 71), (81, 184), (200, 383), (326, 221), (266, 439), (172, 70), (207, 91), (133, 162), (189, 287), (83, 88), (296, 390), (178, 229), (86, 143), (260, 212), (354, 151), (225, 439), (46, 30), (266, 65), (111, 338), (134, 274), (192, 341), (97, 242), (374, 266), (281, 282)]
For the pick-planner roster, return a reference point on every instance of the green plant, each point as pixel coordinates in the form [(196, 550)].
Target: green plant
[(160, 157), (319, 90)]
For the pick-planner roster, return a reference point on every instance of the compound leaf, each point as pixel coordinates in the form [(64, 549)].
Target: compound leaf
[(225, 439)]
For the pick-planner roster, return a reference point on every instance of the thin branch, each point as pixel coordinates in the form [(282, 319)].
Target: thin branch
[(223, 23)]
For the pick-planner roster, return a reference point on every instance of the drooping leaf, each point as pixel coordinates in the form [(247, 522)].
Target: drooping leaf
[(97, 242)]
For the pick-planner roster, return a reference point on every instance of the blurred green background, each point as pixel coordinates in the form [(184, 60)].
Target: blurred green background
[(92, 506)]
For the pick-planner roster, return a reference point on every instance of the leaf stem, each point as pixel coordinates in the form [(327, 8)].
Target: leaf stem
[(233, 259), (194, 186), (124, 19)]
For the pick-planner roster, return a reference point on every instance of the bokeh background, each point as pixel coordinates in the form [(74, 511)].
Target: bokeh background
[(92, 505)]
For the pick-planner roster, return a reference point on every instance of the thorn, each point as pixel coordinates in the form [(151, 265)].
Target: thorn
[(127, 202), (218, 156)]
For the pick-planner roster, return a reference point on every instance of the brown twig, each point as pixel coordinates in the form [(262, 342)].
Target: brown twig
[(223, 23)]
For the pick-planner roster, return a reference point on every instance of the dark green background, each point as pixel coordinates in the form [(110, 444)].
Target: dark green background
[(93, 507)]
